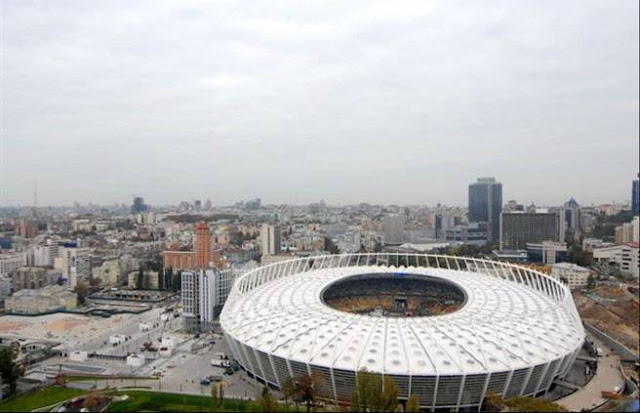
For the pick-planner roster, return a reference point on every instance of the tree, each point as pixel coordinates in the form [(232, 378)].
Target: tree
[(176, 281), (531, 404), (91, 401), (140, 279), (389, 395), (355, 403), (82, 290), (413, 404), (289, 390), (330, 246), (266, 402), (10, 371), (214, 396), (308, 388), (368, 386)]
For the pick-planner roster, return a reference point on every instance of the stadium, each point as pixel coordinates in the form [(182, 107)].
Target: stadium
[(448, 329)]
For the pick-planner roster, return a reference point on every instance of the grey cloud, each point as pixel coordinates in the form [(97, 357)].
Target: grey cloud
[(374, 101)]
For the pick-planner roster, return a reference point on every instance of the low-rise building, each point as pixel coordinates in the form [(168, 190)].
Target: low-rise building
[(150, 280), (630, 259), (179, 260), (11, 261), (33, 278), (546, 252), (108, 273), (571, 274), (45, 300)]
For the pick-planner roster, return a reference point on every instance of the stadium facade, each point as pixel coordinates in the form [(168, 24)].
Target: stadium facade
[(516, 331)]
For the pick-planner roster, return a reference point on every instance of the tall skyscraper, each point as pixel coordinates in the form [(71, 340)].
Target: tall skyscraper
[(635, 196), (138, 205), (203, 245), (485, 205), (270, 238), (570, 220)]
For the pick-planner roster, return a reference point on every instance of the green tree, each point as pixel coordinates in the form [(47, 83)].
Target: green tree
[(355, 402), (289, 391), (369, 387), (330, 246), (413, 404), (10, 371), (140, 279)]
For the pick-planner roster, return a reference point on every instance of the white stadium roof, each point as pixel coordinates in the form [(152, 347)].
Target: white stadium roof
[(503, 325)]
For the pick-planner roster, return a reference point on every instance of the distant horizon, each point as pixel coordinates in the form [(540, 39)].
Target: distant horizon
[(264, 204)]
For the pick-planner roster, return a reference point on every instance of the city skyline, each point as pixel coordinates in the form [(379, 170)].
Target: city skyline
[(380, 103)]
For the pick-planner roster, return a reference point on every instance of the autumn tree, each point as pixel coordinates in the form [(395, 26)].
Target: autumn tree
[(413, 404), (266, 402), (308, 388), (91, 401), (82, 290), (389, 395)]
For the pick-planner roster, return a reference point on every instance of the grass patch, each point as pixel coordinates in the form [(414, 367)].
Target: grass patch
[(40, 398), (171, 402)]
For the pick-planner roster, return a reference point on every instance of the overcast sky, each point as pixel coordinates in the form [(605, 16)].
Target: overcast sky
[(380, 102)]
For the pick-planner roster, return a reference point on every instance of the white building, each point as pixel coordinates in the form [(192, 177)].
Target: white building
[(547, 252), (573, 275), (270, 239), (611, 254), (203, 295), (11, 261), (630, 259)]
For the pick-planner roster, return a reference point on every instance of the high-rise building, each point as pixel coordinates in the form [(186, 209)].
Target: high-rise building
[(27, 229), (628, 232), (203, 245), (519, 228), (204, 292), (485, 205), (570, 220), (208, 205), (270, 238), (138, 205), (393, 226), (635, 196), (75, 264)]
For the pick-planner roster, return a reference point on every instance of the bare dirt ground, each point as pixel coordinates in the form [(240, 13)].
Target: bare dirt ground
[(616, 313)]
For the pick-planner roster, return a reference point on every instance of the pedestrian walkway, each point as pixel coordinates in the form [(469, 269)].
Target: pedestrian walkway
[(607, 377)]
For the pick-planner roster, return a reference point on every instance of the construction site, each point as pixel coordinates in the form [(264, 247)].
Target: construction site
[(613, 309)]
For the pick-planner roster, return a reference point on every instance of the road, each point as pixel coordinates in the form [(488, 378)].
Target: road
[(607, 377)]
